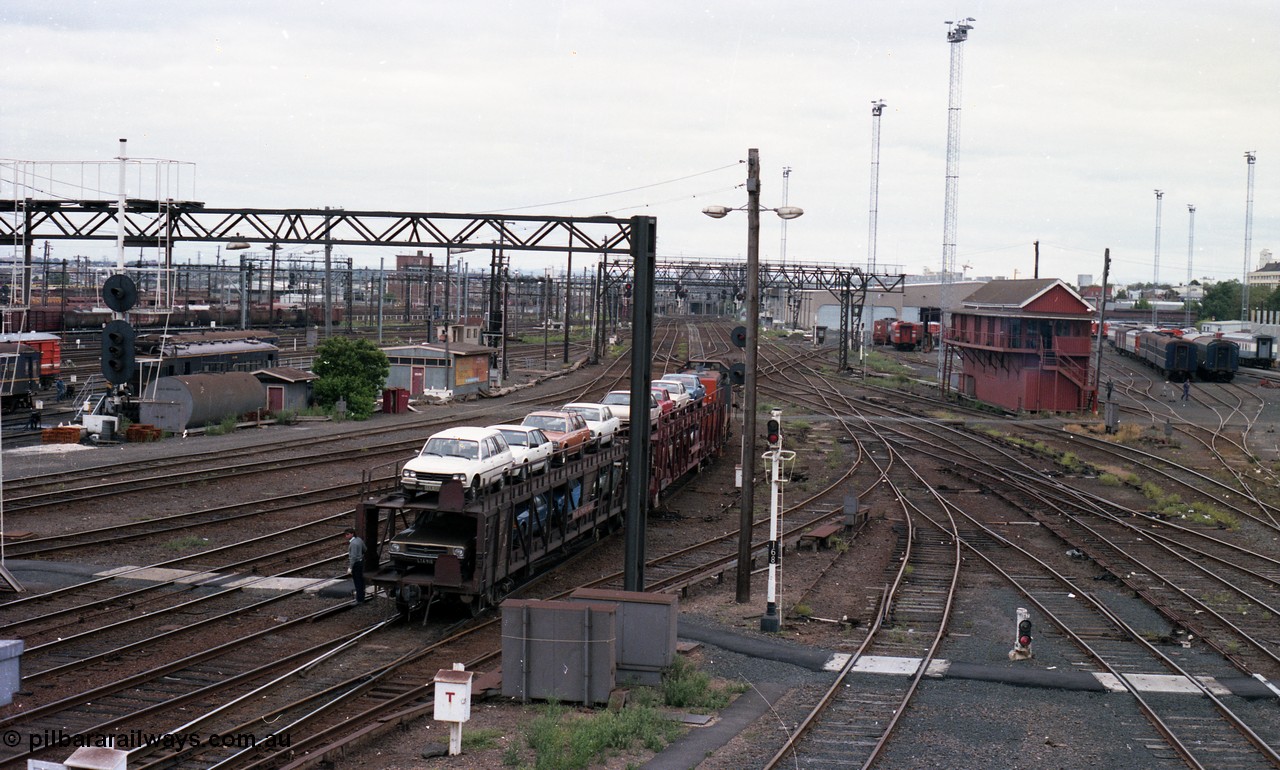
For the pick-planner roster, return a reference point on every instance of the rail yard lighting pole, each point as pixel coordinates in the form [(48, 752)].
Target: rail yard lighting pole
[(448, 281), (1155, 286), (747, 511)]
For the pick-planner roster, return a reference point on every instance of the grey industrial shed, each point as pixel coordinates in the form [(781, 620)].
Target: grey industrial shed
[(461, 369), (288, 389)]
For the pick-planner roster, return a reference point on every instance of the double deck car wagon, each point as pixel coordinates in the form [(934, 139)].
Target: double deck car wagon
[(474, 550)]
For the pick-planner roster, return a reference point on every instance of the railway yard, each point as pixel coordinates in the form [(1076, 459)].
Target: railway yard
[(197, 586)]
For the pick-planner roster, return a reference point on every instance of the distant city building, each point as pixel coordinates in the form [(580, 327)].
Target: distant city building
[(1267, 276), (411, 292)]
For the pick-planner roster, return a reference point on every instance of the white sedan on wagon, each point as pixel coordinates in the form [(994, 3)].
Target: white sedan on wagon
[(479, 458), (601, 419), (530, 447)]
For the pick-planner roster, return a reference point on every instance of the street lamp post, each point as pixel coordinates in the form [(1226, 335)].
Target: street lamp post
[(448, 282), (747, 510)]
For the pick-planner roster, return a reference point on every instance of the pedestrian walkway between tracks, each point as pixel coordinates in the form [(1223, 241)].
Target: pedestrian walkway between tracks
[(700, 742)]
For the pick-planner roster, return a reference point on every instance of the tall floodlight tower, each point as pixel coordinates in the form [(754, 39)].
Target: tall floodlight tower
[(877, 107), (1250, 158), (780, 298), (1155, 281), (957, 33), (1191, 240), (786, 189)]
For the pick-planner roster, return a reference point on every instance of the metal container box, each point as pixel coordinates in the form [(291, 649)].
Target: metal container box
[(560, 650), (646, 631), (10, 669)]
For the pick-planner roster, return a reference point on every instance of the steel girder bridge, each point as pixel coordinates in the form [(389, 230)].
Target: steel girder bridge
[(849, 285)]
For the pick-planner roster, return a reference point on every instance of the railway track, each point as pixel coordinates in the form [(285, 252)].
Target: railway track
[(319, 715), (1234, 741)]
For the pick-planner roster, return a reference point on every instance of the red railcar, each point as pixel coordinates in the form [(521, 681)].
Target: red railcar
[(905, 335), (880, 331), (48, 345)]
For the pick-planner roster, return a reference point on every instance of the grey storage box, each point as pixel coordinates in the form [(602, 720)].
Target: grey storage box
[(646, 631), (10, 669), (560, 650)]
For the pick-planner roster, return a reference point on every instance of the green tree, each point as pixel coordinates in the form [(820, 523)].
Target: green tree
[(1221, 302), (1265, 299), (353, 370)]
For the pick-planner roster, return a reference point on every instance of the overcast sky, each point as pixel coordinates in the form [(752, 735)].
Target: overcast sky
[(1069, 121)]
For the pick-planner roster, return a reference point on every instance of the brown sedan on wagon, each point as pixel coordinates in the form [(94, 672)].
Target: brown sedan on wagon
[(567, 430)]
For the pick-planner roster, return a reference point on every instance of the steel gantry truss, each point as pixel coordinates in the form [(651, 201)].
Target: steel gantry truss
[(161, 223), (849, 285)]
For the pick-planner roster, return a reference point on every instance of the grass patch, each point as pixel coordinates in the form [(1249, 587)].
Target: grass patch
[(684, 686), (226, 425), (479, 740), (897, 635), (879, 362), (802, 610), (798, 430), (1170, 504), (560, 738), (186, 543), (1071, 463)]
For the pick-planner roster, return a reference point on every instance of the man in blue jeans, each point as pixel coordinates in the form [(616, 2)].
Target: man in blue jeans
[(355, 558), (1186, 390)]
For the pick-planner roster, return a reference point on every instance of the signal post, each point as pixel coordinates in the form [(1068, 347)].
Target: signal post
[(771, 621), (1022, 638)]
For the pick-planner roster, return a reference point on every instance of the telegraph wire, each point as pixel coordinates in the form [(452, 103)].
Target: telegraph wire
[(608, 194)]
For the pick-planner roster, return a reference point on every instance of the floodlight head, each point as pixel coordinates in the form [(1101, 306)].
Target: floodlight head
[(789, 212), (237, 246), (716, 212)]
